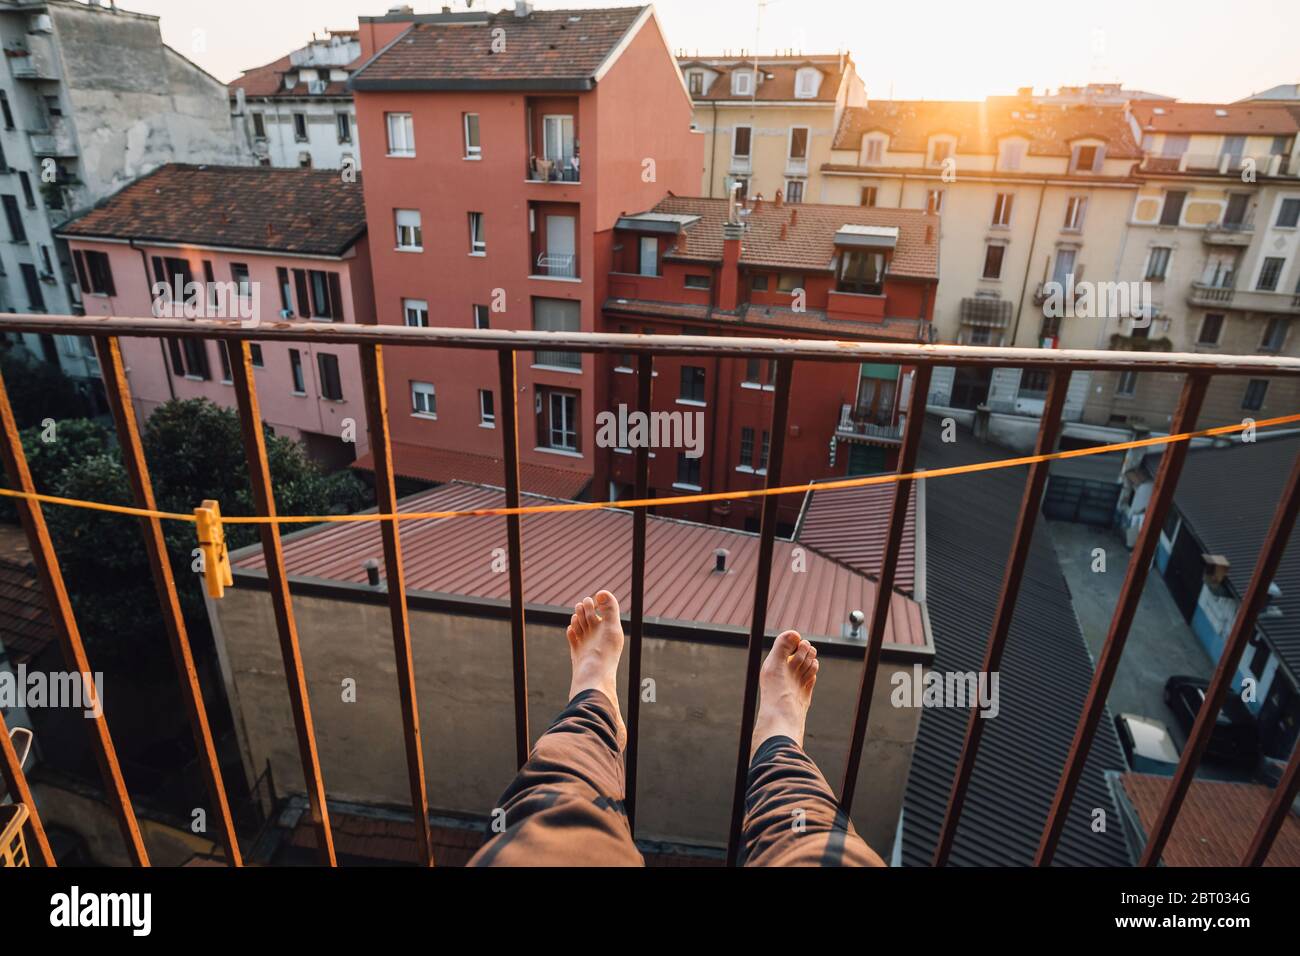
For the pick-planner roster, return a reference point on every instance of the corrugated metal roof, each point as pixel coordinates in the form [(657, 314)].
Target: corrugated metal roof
[(850, 525), (1046, 669), (570, 555)]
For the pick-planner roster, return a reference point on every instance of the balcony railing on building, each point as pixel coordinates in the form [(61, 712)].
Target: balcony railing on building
[(1246, 300), (1223, 164), (1055, 365), (862, 423)]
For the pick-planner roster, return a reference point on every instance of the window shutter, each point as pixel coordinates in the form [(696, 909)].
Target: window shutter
[(159, 271), (336, 296), (109, 285), (79, 261), (304, 300), (178, 363)]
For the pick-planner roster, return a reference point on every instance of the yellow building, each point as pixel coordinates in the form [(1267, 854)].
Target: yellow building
[(769, 121)]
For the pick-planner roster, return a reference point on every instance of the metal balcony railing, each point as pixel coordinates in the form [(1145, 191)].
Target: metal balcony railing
[(371, 342), (563, 266)]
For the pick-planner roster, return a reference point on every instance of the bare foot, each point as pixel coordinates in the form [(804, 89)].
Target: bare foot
[(595, 646), (785, 688)]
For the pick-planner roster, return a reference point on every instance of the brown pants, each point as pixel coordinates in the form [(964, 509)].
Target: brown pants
[(565, 808)]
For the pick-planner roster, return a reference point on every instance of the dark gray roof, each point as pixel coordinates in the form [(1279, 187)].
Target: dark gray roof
[(1228, 496), (1046, 669)]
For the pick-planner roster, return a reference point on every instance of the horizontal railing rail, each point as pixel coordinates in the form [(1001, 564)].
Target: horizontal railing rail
[(1197, 369)]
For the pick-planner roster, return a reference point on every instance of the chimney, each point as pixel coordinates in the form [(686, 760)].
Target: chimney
[(779, 200), (854, 629), (372, 572), (929, 234), (720, 560), (733, 195), (794, 218), (523, 8), (729, 280)]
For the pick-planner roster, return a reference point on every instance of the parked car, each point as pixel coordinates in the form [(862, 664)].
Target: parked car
[(1148, 747), (1235, 737)]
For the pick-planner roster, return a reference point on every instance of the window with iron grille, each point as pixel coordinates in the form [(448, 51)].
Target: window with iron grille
[(766, 450), (747, 448), (1269, 273)]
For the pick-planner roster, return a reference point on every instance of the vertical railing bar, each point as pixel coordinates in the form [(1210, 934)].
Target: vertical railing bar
[(372, 377), (1270, 556), (1279, 808), (645, 376), (1171, 466), (885, 584), (65, 625), (259, 480), (762, 589), (118, 391), (11, 771), (510, 458), (1049, 430)]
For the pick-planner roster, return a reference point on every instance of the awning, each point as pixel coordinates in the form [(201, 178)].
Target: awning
[(986, 312)]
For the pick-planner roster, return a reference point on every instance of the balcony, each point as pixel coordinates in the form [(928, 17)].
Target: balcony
[(1243, 300), (1228, 234), (34, 59), (875, 428), (56, 141), (1202, 294), (863, 652), (554, 140), (1222, 164)]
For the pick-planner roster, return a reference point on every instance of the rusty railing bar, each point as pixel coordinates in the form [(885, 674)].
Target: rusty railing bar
[(118, 391), (1279, 808), (1048, 431), (510, 458), (1256, 596), (762, 589), (259, 480), (1171, 466), (372, 377), (645, 377), (885, 583), (65, 625), (613, 342), (11, 771)]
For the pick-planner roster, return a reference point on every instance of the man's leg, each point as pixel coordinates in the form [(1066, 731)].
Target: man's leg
[(791, 817), (565, 808)]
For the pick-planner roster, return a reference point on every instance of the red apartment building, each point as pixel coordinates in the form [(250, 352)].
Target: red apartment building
[(764, 268), (501, 150)]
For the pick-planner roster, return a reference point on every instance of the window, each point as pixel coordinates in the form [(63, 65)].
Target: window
[(94, 273), (295, 372), (487, 415), (410, 238), (557, 315), (742, 83), (806, 83), (1269, 273), (401, 134), (940, 150), (746, 449), (304, 160), (758, 282), (32, 282), (239, 275), (300, 127), (753, 373), (648, 260), (1002, 209), (688, 472), (331, 386), (1287, 216), (4, 108), (1075, 207), (993, 256), (740, 142), (1158, 262), (1211, 329), (557, 419), (794, 190), (473, 148), (868, 196), (699, 282), (1085, 159), (934, 201), (873, 152), (1033, 383), (861, 272), (29, 197), (798, 144), (226, 375), (255, 352), (789, 282), (416, 313), (1275, 334), (1171, 214), (1256, 389), (763, 453), (477, 242), (1010, 155), (259, 126), (481, 320), (692, 389), (190, 359), (1126, 387), (15, 219), (1064, 267), (423, 400), (696, 81)]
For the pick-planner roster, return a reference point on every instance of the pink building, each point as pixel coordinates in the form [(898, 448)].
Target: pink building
[(501, 150), (247, 241)]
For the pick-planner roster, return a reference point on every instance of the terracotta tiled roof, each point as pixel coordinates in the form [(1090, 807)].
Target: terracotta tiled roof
[(568, 554), (25, 627), (810, 229), (1238, 118), (1216, 822), (780, 87), (425, 463), (548, 48), (268, 81), (305, 211), (1049, 128)]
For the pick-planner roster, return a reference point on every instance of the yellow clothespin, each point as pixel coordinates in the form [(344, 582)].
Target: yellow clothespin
[(212, 545)]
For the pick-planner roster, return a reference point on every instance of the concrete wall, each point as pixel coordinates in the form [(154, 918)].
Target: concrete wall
[(689, 734)]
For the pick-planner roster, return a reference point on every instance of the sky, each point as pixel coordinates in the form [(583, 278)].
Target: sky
[(1194, 50)]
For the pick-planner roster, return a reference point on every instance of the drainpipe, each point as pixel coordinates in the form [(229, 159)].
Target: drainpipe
[(1024, 286), (162, 346), (713, 150)]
